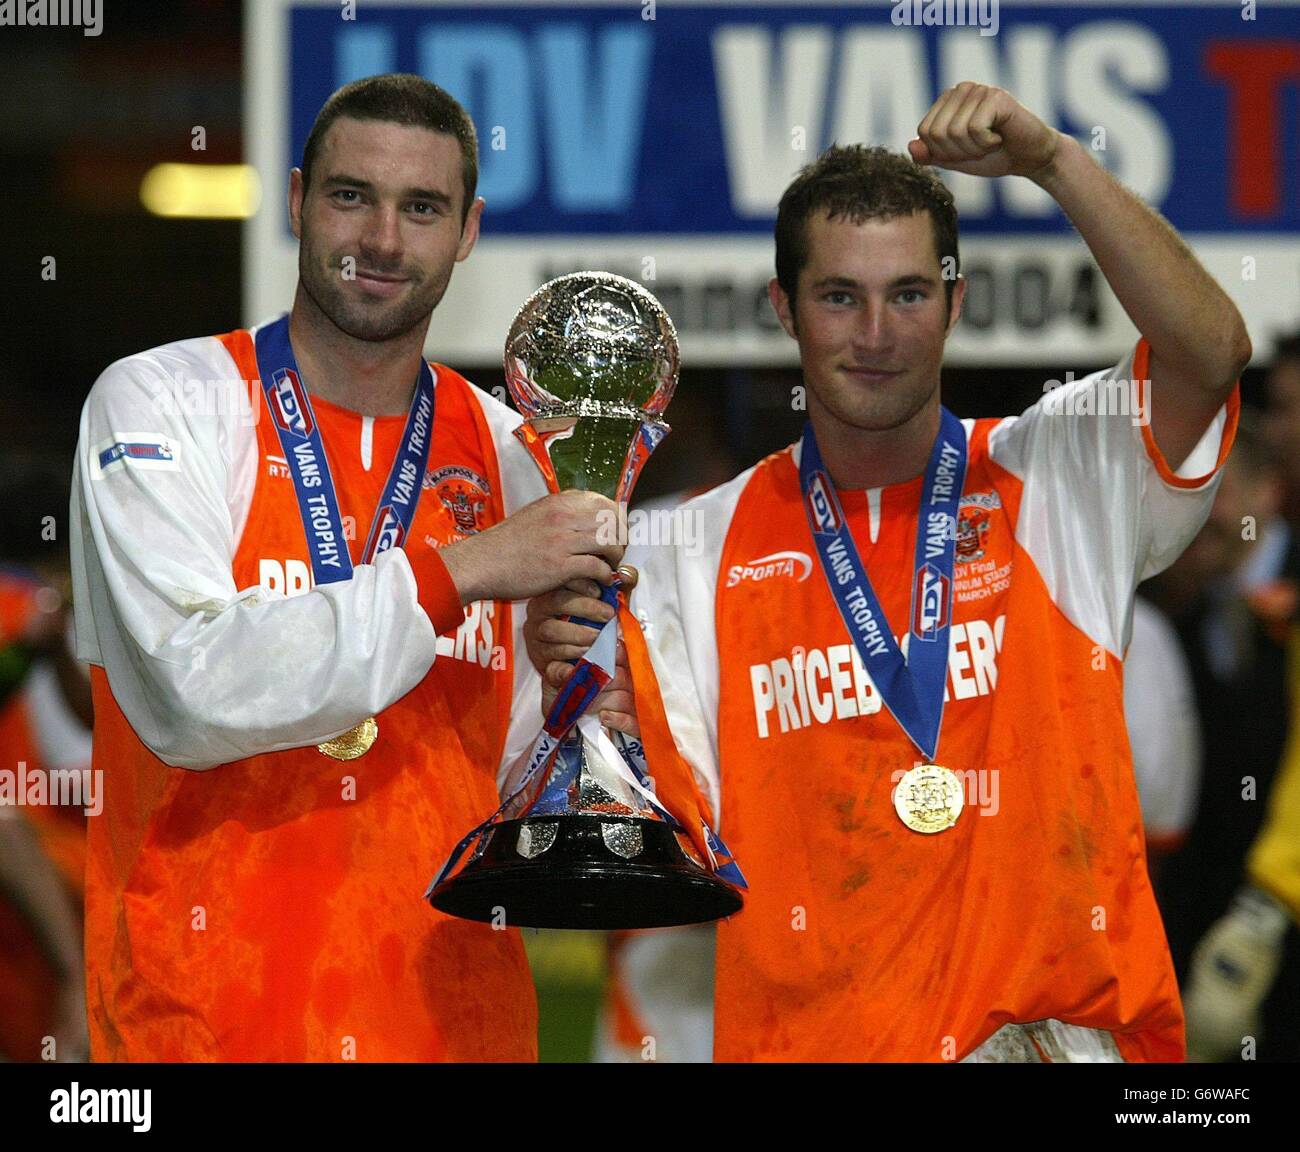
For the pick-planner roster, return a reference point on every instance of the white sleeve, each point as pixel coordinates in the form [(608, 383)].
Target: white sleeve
[(205, 672), (675, 600), (1160, 710), (1100, 510)]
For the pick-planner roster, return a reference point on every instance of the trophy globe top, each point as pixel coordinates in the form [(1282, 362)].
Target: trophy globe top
[(592, 344)]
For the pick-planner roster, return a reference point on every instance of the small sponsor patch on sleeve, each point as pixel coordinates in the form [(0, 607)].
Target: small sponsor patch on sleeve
[(138, 450)]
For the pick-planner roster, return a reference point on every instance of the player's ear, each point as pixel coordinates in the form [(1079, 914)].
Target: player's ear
[(781, 306), (469, 230), (296, 194), (958, 295)]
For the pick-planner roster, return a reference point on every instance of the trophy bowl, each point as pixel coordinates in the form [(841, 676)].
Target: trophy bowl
[(591, 361)]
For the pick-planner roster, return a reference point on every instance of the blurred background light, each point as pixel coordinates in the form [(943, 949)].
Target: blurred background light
[(201, 191)]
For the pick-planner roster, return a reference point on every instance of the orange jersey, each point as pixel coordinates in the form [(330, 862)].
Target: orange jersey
[(270, 907), (862, 939)]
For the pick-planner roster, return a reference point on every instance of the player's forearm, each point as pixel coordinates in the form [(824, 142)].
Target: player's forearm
[(263, 673), (1190, 322)]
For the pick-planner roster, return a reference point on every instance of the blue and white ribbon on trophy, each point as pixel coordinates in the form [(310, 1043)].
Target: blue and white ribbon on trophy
[(590, 674)]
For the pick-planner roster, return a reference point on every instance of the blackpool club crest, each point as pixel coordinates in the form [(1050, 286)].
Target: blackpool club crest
[(973, 524), (463, 493)]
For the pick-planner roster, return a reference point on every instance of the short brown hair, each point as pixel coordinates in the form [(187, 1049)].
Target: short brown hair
[(400, 98), (861, 183)]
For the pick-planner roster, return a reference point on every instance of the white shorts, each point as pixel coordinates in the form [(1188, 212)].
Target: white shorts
[(1046, 1041)]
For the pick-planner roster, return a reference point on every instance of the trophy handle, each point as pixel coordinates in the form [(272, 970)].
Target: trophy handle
[(536, 435), (648, 438)]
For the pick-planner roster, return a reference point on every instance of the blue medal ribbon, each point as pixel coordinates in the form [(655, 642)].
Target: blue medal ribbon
[(304, 450), (912, 686)]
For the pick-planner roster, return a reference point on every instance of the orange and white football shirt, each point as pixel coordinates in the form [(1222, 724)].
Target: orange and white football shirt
[(267, 903), (861, 939)]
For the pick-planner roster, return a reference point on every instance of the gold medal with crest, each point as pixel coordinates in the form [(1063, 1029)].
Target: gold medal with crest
[(353, 743), (929, 798)]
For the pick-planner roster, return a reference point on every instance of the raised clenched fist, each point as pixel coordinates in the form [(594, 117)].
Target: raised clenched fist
[(985, 131)]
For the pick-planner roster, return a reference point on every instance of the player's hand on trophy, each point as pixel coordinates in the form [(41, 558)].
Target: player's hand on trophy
[(615, 706), (550, 633), (562, 537), (1232, 971), (985, 131), (555, 640)]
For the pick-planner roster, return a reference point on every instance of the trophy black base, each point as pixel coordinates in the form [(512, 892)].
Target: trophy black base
[(579, 881)]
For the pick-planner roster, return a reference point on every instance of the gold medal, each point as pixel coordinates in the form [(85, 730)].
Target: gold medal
[(929, 798), (353, 743)]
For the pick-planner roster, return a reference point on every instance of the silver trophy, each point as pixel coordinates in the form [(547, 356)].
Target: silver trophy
[(591, 361)]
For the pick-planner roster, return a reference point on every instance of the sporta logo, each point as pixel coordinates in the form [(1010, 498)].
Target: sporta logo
[(795, 564)]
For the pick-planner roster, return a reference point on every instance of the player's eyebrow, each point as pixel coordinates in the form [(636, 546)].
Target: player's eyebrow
[(912, 280), (342, 180)]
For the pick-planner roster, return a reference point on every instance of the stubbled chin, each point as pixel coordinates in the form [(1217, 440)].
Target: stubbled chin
[(883, 413), (375, 325)]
